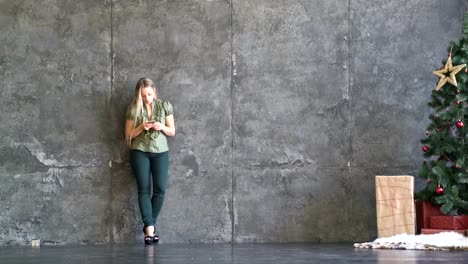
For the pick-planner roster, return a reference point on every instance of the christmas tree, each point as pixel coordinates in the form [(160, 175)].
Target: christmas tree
[(445, 145)]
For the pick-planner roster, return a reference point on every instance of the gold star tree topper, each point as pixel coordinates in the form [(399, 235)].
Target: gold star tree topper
[(447, 74)]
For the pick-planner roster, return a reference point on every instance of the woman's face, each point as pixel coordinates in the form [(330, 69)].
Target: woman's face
[(147, 94)]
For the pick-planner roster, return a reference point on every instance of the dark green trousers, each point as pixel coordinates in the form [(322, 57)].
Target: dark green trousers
[(150, 167)]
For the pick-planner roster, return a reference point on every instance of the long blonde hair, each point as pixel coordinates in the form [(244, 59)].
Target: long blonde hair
[(136, 107)]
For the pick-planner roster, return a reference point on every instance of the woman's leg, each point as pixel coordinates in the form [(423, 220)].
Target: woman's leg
[(141, 167), (159, 171)]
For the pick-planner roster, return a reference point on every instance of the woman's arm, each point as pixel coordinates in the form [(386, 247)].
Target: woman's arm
[(130, 132), (169, 128)]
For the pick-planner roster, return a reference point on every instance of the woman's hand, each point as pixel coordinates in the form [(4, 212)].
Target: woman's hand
[(158, 126), (168, 129), (148, 125)]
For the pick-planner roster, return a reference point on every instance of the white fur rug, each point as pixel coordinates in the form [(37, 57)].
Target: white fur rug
[(440, 241)]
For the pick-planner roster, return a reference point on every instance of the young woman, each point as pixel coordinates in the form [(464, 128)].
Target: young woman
[(149, 121)]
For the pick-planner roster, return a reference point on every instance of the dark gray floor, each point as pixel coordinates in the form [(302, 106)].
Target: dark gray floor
[(223, 253)]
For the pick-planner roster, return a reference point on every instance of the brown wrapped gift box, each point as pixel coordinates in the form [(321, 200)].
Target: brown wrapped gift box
[(395, 205)]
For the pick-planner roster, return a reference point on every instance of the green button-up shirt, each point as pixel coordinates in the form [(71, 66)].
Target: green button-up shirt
[(151, 140)]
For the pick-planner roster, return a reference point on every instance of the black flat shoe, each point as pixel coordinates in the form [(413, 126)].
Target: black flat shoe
[(149, 240), (155, 239)]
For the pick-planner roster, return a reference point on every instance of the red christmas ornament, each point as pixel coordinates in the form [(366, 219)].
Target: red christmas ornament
[(425, 148), (456, 166), (439, 190), (460, 124), (458, 91), (457, 102), (436, 116), (428, 180), (427, 133)]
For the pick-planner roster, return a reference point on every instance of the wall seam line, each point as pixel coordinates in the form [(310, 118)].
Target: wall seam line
[(111, 236), (350, 86), (232, 214), (350, 103)]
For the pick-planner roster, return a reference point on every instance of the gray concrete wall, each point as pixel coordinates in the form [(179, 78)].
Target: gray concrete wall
[(285, 112)]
